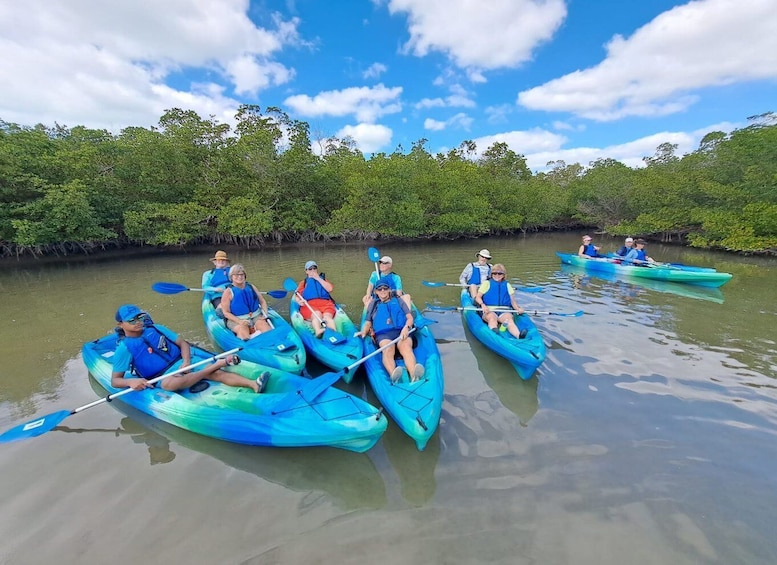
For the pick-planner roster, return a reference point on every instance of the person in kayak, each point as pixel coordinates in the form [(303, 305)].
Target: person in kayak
[(320, 307), (218, 276), (497, 293), (588, 249), (385, 265), (638, 255), (389, 318), (475, 273), (628, 245), (149, 350), (243, 306)]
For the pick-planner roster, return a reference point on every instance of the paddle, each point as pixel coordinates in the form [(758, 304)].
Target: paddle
[(529, 289), (332, 336), (499, 309), (175, 288), (374, 256), (45, 424), (312, 389)]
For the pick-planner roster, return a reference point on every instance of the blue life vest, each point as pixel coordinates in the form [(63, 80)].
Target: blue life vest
[(590, 250), (623, 251), (387, 316), (244, 300), (389, 278), (641, 255), (152, 352), (497, 294), (314, 289), (475, 278), (219, 277)]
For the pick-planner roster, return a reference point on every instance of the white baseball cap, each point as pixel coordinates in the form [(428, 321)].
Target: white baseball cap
[(386, 259), (628, 239)]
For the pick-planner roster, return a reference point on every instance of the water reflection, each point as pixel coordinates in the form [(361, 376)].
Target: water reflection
[(351, 479), (515, 394)]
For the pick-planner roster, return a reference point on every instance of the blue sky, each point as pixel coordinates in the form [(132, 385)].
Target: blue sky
[(568, 80)]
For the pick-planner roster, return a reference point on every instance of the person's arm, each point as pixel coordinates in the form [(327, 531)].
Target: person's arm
[(300, 290), (581, 251), (398, 284), (122, 360), (631, 257), (466, 274), (367, 321), (186, 351), (482, 289), (262, 302), (513, 300)]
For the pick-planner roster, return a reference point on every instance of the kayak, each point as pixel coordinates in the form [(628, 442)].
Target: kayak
[(711, 279), (525, 354), (685, 290), (680, 266), (337, 348), (335, 418), (280, 348), (416, 406)]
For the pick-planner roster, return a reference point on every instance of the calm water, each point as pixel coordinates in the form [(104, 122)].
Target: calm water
[(648, 436)]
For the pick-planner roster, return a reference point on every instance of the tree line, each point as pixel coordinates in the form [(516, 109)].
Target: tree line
[(191, 180)]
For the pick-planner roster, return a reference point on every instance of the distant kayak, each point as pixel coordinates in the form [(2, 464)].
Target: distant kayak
[(335, 418), (711, 279), (672, 265)]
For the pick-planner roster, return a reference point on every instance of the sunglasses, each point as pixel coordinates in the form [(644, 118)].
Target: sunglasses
[(498, 273), (312, 269), (136, 319), (381, 288), (238, 274), (384, 262)]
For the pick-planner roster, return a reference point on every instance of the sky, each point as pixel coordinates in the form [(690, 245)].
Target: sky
[(571, 80)]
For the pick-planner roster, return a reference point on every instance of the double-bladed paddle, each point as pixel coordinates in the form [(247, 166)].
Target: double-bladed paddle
[(175, 288), (529, 289), (40, 426), (498, 309), (332, 336)]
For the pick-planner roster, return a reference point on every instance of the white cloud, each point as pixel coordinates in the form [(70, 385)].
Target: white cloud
[(629, 153), (375, 70), (459, 121), (459, 98), (654, 72), (367, 104), (369, 138), (109, 65), (498, 114), (480, 35)]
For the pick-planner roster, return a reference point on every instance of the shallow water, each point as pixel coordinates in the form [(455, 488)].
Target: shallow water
[(647, 436)]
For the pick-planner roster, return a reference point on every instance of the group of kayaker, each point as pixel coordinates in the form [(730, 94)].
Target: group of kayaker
[(633, 251), (489, 288)]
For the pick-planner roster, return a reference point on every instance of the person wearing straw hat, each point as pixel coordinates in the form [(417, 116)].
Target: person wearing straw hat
[(475, 273), (218, 276)]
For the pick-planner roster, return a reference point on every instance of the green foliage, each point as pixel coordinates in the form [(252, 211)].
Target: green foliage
[(166, 224)]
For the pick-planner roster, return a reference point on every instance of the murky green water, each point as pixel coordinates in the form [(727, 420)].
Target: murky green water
[(648, 436)]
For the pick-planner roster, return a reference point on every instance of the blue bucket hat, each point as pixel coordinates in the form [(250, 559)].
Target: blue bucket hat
[(127, 312), (382, 282)]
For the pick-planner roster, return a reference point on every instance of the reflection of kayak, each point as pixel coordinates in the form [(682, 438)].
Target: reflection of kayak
[(415, 407), (281, 347), (525, 354), (673, 265), (351, 479), (686, 290), (239, 415), (336, 352), (518, 396), (711, 279)]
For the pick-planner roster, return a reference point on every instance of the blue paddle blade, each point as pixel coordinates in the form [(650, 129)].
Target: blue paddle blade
[(168, 288), (373, 254), (307, 392), (333, 337), (432, 284), (289, 284), (34, 428), (277, 293)]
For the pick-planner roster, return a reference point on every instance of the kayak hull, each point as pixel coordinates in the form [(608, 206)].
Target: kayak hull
[(280, 348), (710, 279), (415, 407), (329, 350), (526, 354), (239, 415)]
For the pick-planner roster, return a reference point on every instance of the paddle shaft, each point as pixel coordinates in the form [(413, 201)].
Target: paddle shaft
[(497, 309), (199, 363)]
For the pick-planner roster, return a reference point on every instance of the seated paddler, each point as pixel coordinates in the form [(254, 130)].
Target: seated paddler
[(243, 306), (148, 350)]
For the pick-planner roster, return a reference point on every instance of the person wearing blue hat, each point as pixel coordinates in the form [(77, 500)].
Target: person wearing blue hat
[(316, 304), (389, 318), (147, 350)]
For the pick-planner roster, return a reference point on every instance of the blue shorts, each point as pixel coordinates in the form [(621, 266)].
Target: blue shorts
[(390, 335)]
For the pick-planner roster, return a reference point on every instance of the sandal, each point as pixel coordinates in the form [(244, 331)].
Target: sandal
[(418, 372), (261, 380), (232, 360), (396, 374)]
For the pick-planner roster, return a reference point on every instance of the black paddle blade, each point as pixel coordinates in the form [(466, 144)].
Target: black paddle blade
[(34, 428)]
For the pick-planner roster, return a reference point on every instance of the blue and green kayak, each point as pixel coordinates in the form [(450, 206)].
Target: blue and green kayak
[(711, 279), (334, 418), (280, 348), (414, 406), (337, 348), (525, 354)]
